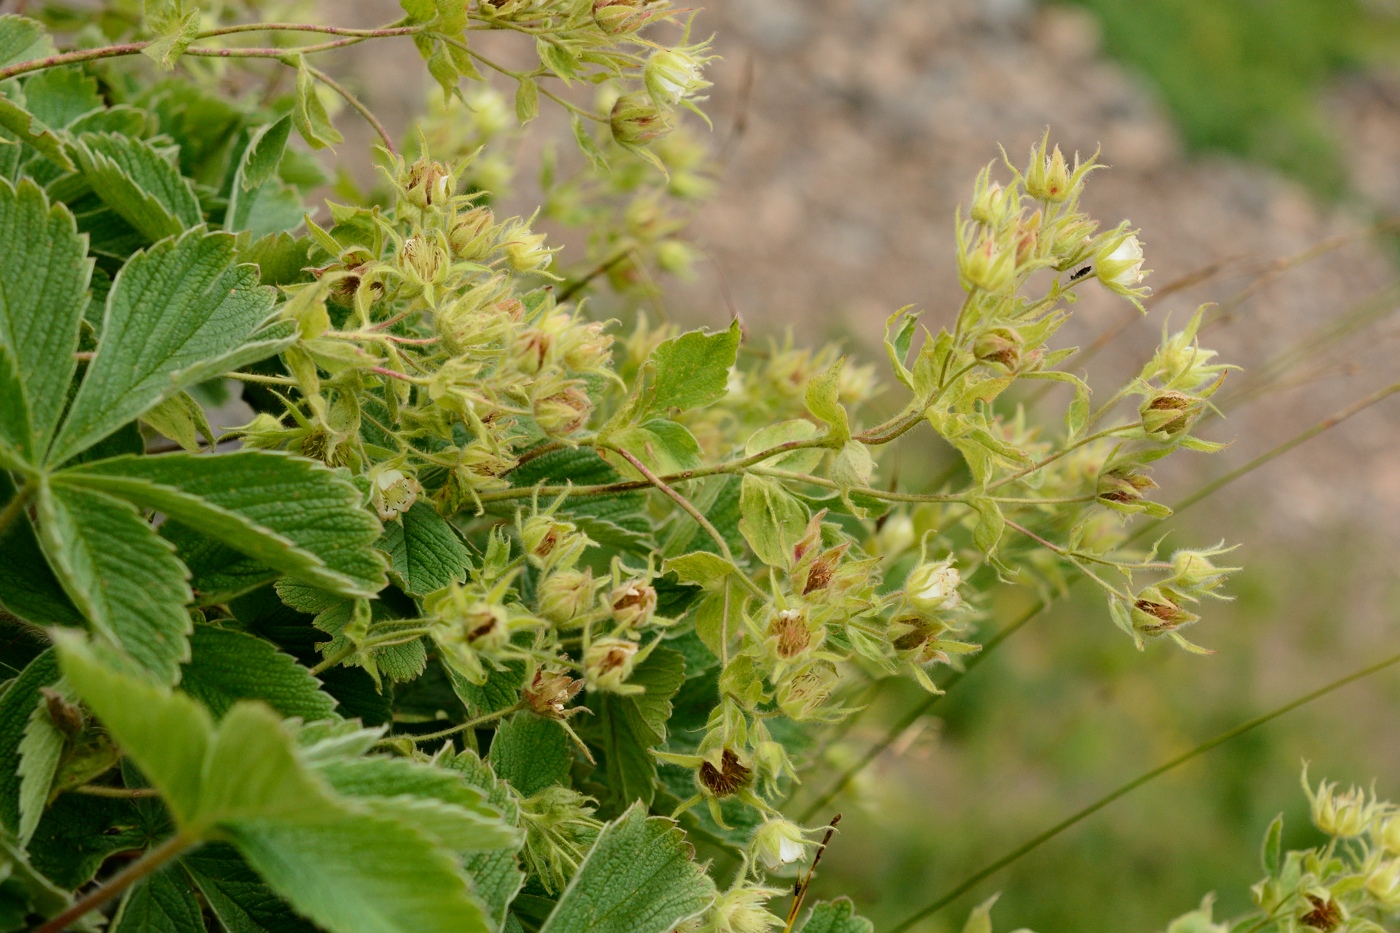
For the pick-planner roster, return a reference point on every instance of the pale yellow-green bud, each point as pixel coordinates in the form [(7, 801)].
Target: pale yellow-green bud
[(1049, 177), (778, 842), (743, 910), (392, 492), (1384, 884), (1000, 345), (525, 251), (621, 17), (563, 413), (633, 604), (636, 120), (896, 536), (988, 265), (1390, 834), (585, 348), (565, 594), (1193, 571), (1119, 265), (1168, 414), (671, 75), (423, 260), (470, 236), (990, 205), (933, 586), (550, 542), (264, 432), (427, 184), (1343, 815), (608, 663)]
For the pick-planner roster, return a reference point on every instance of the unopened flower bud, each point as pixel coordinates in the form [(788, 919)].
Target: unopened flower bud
[(549, 692), (621, 17), (989, 205), (1194, 573), (63, 713), (788, 633), (585, 348), (550, 542), (633, 604), (1048, 177), (426, 184), (896, 535), (1169, 414), (563, 413), (264, 432), (470, 236), (1124, 484), (1384, 884), (933, 586), (672, 75), (565, 594), (1000, 345), (1390, 834), (742, 909), (729, 778), (636, 120), (1119, 266), (987, 265), (608, 663), (525, 251), (777, 843), (392, 492)]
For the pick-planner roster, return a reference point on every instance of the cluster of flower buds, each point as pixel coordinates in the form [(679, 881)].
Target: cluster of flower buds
[(473, 628)]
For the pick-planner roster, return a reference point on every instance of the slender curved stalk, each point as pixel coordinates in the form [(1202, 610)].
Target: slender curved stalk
[(357, 105), (460, 727), (1041, 838), (16, 506), (137, 871)]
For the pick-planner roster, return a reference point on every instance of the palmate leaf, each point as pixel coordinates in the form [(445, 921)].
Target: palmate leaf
[(124, 577), (294, 515), (44, 272), (177, 314), (639, 877), (347, 867), (135, 180)]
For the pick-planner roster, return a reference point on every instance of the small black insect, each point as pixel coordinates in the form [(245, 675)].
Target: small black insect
[(1081, 273)]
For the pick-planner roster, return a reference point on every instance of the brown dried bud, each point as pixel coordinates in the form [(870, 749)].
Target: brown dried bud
[(728, 779), (633, 604), (608, 663), (427, 183), (788, 633), (1324, 915), (1168, 414), (1124, 484), (549, 692), (1156, 612), (563, 413), (1000, 345), (67, 716)]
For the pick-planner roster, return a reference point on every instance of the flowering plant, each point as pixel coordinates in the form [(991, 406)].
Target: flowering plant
[(492, 609)]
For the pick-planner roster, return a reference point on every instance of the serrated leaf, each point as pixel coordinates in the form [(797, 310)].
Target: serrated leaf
[(357, 873), (662, 445), (16, 706), (583, 467), (165, 49), (124, 577), (691, 371), (166, 734), (163, 903), (291, 514), (22, 39), (138, 183), (177, 314), (309, 114), (240, 900), (281, 258), (496, 876), (639, 877), (500, 691), (425, 552), (40, 751), (701, 568), (33, 133), (60, 97), (626, 728), (257, 166), (1273, 846), (772, 519), (45, 271), (990, 524), (531, 753), (824, 401), (801, 460), (227, 666), (838, 916)]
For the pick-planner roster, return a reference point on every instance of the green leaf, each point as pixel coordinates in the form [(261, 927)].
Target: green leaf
[(177, 314), (425, 552), (38, 893), (501, 690), (527, 100), (252, 772), (124, 577), (801, 460), (45, 271), (662, 445), (30, 131), (60, 97), (164, 903), (257, 167), (167, 735), (838, 916), (16, 706), (40, 752), (241, 900), (175, 38), (772, 519), (291, 514), (439, 802), (691, 371), (639, 877), (990, 524), (1273, 846), (626, 728), (28, 588), (496, 876), (309, 114), (137, 182), (357, 873), (22, 40), (227, 666), (701, 568), (79, 833), (824, 401), (531, 753)]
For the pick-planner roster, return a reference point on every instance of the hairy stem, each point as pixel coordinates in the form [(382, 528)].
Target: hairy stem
[(16, 506), (1041, 838), (460, 727), (137, 871)]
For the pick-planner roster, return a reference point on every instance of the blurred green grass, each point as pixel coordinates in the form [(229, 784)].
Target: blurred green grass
[(1245, 76)]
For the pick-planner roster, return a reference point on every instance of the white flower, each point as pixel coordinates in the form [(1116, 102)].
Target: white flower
[(393, 493), (1123, 265), (934, 586), (672, 75), (778, 842)]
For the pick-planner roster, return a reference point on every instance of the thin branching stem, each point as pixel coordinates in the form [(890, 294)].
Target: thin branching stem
[(138, 870)]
